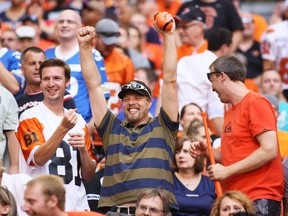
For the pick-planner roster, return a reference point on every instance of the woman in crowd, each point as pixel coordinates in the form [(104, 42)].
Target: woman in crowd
[(196, 130), (7, 203), (232, 202), (195, 193)]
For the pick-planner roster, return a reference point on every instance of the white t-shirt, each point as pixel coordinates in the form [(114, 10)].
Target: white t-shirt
[(194, 86), (16, 184)]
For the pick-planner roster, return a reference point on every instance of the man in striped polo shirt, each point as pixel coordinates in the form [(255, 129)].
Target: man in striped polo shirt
[(140, 149)]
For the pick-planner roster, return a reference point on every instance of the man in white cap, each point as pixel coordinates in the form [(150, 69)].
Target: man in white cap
[(26, 36)]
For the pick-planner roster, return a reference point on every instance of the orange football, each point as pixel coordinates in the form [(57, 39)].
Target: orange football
[(163, 23)]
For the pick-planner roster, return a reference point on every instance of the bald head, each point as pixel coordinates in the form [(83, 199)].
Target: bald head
[(67, 27), (73, 15)]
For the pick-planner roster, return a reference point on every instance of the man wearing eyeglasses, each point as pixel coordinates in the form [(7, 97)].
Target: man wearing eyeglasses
[(140, 149), (153, 202), (191, 28), (249, 160)]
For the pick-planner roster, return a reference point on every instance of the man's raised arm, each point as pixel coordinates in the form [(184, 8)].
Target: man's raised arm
[(91, 74), (169, 93)]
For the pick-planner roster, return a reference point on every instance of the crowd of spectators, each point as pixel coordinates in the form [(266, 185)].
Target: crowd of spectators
[(92, 91)]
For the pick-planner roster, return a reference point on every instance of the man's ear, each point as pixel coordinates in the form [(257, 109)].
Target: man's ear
[(67, 82), (53, 201)]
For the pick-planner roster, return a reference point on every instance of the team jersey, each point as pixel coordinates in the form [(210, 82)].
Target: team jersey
[(11, 61), (77, 87), (274, 47), (36, 126)]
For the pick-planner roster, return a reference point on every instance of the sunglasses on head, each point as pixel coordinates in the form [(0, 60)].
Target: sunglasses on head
[(109, 34), (135, 86)]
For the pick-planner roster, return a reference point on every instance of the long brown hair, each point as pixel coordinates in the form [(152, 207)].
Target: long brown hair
[(199, 161)]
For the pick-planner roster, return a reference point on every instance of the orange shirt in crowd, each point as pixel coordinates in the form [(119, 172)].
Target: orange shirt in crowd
[(187, 50), (154, 52), (45, 44), (238, 141), (260, 26), (119, 67), (282, 139), (251, 85)]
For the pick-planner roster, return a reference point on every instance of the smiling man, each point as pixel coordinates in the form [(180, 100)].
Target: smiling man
[(31, 58), (55, 140), (140, 149), (249, 160)]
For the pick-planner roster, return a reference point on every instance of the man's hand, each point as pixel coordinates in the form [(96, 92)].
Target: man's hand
[(198, 149), (168, 17), (218, 172), (77, 140), (85, 35), (70, 119)]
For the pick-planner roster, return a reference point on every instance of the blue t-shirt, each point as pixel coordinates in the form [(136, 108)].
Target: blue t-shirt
[(77, 87), (11, 61), (197, 202)]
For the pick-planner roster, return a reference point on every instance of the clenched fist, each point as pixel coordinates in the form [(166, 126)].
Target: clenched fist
[(85, 35)]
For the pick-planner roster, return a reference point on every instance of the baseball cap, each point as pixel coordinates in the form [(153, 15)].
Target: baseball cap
[(190, 13), (108, 30), (31, 18), (272, 99), (25, 32), (137, 86)]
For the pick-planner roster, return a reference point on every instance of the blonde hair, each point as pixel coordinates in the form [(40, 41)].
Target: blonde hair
[(234, 195), (51, 185)]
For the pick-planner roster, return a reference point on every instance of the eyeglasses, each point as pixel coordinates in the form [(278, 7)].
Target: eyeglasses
[(109, 34), (151, 210), (135, 86), (211, 73), (7, 39)]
